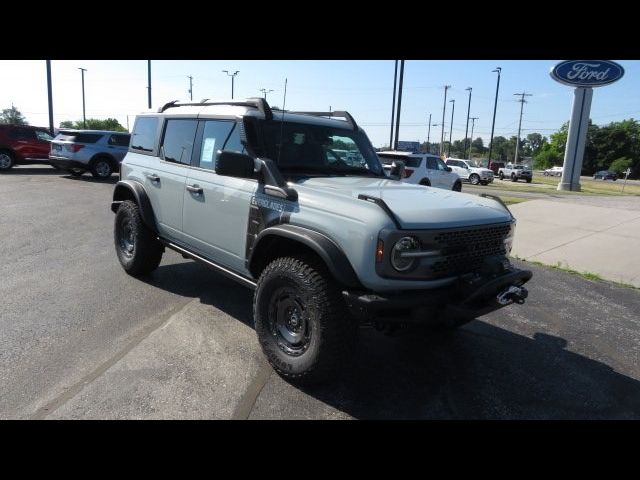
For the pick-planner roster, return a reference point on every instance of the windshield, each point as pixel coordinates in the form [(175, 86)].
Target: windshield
[(320, 150), (474, 163)]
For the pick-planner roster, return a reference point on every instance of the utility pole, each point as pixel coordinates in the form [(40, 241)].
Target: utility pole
[(444, 108), (466, 130), (50, 96), (473, 124), (395, 147), (233, 76), (265, 91), (149, 81), (393, 105), (522, 102), (190, 87), (84, 116), (453, 109), (429, 136), (495, 106)]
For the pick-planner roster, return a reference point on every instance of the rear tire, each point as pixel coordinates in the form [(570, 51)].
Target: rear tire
[(425, 182), (137, 247), (301, 320), (101, 168), (7, 160)]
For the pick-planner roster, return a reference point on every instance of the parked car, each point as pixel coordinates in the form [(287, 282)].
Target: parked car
[(495, 166), (515, 173), (251, 193), (605, 175), (553, 172), (23, 144), (422, 169), (470, 171), (97, 151)]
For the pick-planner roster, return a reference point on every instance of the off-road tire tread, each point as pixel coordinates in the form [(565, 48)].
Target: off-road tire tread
[(148, 250)]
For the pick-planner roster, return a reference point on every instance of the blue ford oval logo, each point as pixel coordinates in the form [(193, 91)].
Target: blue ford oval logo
[(587, 73)]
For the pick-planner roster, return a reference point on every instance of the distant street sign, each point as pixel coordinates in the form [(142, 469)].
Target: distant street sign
[(587, 73)]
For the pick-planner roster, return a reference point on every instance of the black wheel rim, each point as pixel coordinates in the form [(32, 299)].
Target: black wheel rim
[(126, 237), (289, 321), (103, 169)]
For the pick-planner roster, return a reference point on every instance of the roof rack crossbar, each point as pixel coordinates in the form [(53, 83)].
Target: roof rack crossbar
[(259, 103), (336, 113)]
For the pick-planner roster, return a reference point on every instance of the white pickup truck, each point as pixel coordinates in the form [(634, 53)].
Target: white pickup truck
[(515, 172), (470, 171)]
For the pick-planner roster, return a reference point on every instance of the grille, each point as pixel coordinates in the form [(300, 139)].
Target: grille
[(465, 250)]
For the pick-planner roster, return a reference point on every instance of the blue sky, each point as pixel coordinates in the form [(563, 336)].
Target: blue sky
[(364, 88)]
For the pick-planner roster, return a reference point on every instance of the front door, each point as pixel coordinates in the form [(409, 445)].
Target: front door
[(216, 208)]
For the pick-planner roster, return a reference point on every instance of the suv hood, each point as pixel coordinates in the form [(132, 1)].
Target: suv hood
[(415, 206), (481, 170)]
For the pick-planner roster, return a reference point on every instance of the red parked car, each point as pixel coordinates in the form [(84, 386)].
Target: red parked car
[(20, 144)]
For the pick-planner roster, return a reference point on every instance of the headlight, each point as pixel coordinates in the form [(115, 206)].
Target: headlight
[(508, 240), (405, 244)]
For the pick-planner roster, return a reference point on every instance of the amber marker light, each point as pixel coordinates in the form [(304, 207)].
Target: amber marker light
[(379, 251)]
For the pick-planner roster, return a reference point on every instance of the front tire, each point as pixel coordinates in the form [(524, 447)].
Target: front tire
[(501, 176), (137, 247), (514, 178), (301, 320), (474, 179), (457, 187)]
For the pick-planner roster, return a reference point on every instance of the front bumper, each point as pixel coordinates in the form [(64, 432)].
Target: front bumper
[(67, 164), (472, 296)]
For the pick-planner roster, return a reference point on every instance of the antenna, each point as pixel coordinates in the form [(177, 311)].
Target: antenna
[(284, 103)]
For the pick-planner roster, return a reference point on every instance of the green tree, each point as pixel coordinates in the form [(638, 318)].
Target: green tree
[(110, 124), (547, 157), (532, 144), (12, 115), (619, 165)]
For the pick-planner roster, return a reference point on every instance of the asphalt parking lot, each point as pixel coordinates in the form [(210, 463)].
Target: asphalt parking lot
[(81, 339)]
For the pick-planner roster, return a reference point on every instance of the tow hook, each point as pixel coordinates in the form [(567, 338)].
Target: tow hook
[(512, 294)]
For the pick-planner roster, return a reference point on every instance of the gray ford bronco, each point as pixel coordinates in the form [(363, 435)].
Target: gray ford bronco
[(268, 198)]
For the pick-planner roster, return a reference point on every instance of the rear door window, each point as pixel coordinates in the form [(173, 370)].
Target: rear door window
[(179, 136)]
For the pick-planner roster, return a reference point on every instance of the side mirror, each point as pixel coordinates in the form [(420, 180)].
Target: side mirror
[(397, 169), (449, 169), (232, 164)]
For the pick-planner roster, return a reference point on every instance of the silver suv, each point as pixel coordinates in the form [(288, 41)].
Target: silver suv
[(265, 197), (97, 151)]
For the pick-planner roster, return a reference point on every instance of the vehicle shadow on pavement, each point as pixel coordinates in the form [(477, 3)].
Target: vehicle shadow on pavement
[(19, 170), (477, 372), (113, 179)]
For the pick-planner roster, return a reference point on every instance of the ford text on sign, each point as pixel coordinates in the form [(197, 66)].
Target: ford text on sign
[(587, 73)]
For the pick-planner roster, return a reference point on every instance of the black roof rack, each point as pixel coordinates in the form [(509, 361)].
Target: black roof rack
[(337, 113), (259, 103)]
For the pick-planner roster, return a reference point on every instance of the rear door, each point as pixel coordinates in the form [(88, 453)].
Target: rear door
[(216, 208), (26, 143), (42, 144)]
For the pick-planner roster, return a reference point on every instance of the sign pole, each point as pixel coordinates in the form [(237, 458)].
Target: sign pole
[(576, 139), (626, 174)]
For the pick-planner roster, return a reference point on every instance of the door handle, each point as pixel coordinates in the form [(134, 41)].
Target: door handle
[(153, 177), (195, 189)]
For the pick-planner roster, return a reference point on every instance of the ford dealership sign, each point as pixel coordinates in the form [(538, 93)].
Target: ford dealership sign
[(587, 73)]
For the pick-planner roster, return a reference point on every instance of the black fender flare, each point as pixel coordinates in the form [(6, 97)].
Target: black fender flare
[(124, 190), (332, 255)]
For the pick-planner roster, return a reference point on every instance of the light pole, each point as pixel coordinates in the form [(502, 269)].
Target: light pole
[(453, 109), (233, 76), (149, 80), (466, 130), (84, 116), (265, 91), (444, 108), (522, 102), (393, 104), (429, 136), (395, 146), (473, 124), (50, 97), (495, 106)]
